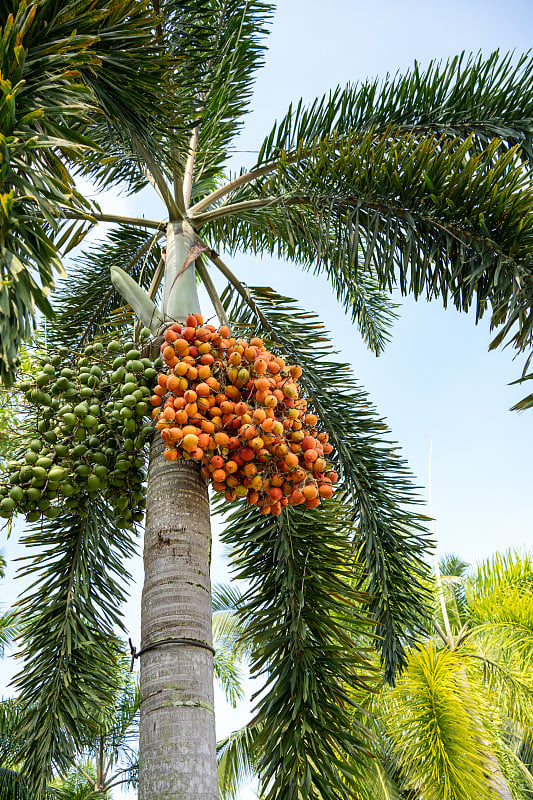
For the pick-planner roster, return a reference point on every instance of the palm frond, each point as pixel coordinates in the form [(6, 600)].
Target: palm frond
[(63, 64), (375, 482), (228, 674), (308, 633), (68, 641), (435, 721), (9, 624), (291, 232), (434, 216), (237, 757), (510, 685), (468, 94), (217, 48)]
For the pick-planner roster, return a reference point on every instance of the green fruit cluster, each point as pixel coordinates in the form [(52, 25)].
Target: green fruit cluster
[(88, 430)]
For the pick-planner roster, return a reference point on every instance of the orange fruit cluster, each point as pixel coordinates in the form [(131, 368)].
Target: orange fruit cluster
[(236, 408)]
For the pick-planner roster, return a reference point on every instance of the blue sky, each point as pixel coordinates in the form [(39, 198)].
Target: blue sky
[(436, 381)]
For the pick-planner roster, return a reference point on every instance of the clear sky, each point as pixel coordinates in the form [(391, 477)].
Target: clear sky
[(436, 381)]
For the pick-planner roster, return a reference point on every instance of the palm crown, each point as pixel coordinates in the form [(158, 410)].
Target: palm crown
[(418, 181)]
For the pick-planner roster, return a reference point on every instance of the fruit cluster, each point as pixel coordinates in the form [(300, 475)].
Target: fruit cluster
[(86, 435), (237, 409)]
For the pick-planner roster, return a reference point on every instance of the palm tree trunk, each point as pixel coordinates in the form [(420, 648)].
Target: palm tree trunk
[(177, 749), (177, 756)]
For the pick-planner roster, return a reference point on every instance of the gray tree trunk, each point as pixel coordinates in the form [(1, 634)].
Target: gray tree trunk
[(177, 755)]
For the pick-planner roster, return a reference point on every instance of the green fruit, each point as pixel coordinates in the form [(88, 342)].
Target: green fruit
[(31, 457), (33, 494), (98, 347), (36, 445), (39, 473), (43, 504), (50, 437), (57, 474), (145, 333), (130, 425), (25, 386), (79, 436), (17, 494), (123, 466), (118, 375), (129, 400), (61, 450), (93, 483), (141, 409), (67, 489), (158, 363), (94, 409), (99, 458), (128, 445), (114, 347), (43, 462), (118, 362), (69, 420), (7, 505), (129, 346), (25, 474), (89, 421), (51, 491), (95, 370), (134, 366), (93, 381), (67, 373), (100, 470), (43, 379), (126, 412), (33, 516), (86, 391), (83, 470), (81, 410), (128, 388), (14, 477)]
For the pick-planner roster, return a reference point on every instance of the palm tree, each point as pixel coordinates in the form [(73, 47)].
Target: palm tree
[(417, 181), (458, 722)]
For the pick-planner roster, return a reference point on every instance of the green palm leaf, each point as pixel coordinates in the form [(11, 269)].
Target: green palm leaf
[(237, 757), (293, 232), (305, 624), (217, 47), (435, 721), (68, 641), (56, 60), (488, 97)]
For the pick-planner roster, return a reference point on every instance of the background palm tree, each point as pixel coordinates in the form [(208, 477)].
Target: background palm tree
[(418, 180), (458, 722)]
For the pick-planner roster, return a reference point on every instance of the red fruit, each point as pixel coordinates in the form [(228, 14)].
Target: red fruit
[(191, 321)]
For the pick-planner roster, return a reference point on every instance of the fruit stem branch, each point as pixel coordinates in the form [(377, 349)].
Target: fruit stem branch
[(211, 291), (240, 288)]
